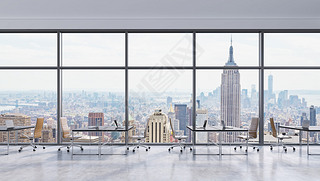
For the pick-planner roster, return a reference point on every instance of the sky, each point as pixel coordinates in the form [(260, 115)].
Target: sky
[(153, 50)]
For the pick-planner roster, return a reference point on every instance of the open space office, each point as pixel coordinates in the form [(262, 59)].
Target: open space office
[(158, 90)]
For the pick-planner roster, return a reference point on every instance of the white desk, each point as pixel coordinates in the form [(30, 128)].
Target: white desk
[(308, 130), (15, 128), (99, 129), (219, 129)]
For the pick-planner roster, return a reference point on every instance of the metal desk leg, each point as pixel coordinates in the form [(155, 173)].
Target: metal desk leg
[(99, 146), (308, 142), (247, 143), (72, 144), (300, 137), (220, 146), (194, 151), (8, 142)]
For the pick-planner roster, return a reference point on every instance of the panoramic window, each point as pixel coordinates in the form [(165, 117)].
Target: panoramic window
[(160, 49), (93, 49), (292, 49), (28, 49), (213, 48), (155, 98), (26, 96), (290, 99), (94, 98)]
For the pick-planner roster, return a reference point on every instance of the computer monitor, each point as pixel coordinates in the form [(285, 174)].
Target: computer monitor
[(9, 124)]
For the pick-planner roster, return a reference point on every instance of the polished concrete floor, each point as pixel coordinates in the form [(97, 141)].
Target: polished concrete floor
[(159, 164)]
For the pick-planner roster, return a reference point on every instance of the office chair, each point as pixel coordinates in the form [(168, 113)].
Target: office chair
[(36, 135), (179, 138), (252, 133), (139, 138), (280, 137), (66, 137)]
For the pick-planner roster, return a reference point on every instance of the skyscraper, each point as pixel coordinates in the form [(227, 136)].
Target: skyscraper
[(95, 119), (313, 119), (158, 128), (181, 115), (230, 95)]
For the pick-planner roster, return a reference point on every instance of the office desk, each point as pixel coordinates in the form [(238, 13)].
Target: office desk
[(219, 129), (99, 129), (15, 128), (308, 130)]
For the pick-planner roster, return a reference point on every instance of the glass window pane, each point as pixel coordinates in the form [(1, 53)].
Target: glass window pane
[(160, 49), (291, 98), (213, 49), (25, 96), (157, 95), (94, 98), (230, 95), (28, 49), (292, 49), (93, 49)]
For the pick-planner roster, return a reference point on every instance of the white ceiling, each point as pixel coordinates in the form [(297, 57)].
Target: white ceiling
[(167, 14)]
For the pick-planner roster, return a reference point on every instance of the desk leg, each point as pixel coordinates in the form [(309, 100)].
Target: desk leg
[(99, 146), (72, 144), (220, 146), (8, 142), (194, 151), (308, 142), (300, 137), (247, 142)]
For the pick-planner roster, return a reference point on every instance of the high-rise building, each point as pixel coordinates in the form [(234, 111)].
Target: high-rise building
[(283, 98), (95, 119), (303, 118), (158, 128), (172, 116), (313, 119), (230, 95), (270, 87), (18, 120), (181, 115)]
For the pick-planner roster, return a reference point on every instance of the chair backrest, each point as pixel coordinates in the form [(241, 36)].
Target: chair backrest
[(274, 130), (38, 129), (253, 127), (173, 134), (64, 127)]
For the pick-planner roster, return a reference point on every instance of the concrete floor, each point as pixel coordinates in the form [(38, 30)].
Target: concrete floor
[(159, 164)]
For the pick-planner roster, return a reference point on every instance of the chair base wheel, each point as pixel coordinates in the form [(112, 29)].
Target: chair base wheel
[(146, 149), (59, 149), (68, 150), (34, 149), (258, 150), (180, 151), (240, 146), (149, 147), (133, 150), (44, 147), (235, 148)]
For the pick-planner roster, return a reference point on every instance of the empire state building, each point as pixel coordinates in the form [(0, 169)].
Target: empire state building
[(230, 95)]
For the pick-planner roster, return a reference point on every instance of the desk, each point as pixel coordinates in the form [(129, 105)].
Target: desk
[(99, 129), (308, 130), (15, 128), (218, 129)]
